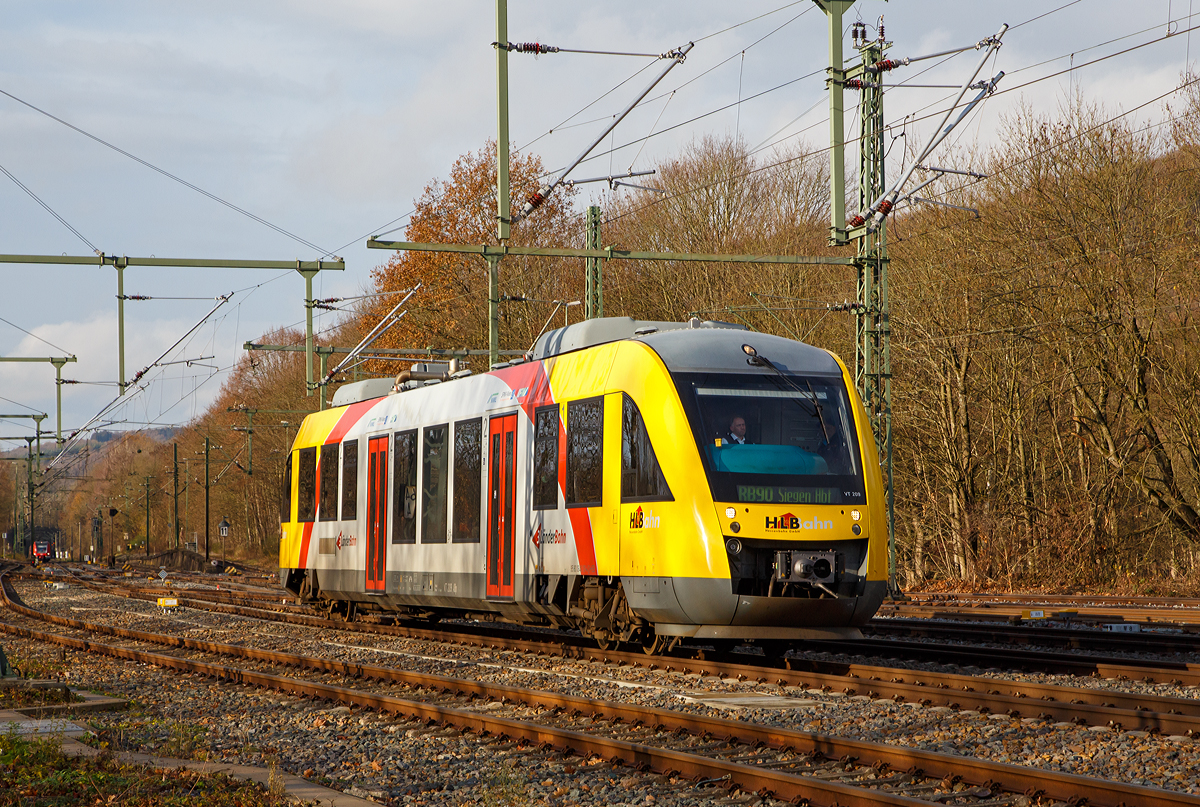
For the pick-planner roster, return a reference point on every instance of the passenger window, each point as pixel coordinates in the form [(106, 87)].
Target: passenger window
[(285, 501), (585, 452), (329, 483), (350, 480), (404, 487), (433, 479), (468, 468), (545, 458), (306, 510), (641, 476)]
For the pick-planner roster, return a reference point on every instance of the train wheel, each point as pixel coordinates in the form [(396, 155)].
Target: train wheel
[(654, 645)]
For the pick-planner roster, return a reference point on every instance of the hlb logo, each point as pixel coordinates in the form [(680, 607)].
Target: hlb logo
[(787, 521), (639, 520)]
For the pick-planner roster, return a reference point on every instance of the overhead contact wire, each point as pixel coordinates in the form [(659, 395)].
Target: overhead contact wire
[(923, 117)]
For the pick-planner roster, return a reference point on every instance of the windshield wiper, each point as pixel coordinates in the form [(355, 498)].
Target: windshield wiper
[(817, 407), (762, 361)]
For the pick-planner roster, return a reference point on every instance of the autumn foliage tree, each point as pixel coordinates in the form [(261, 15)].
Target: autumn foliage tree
[(1046, 366), (450, 309), (718, 197)]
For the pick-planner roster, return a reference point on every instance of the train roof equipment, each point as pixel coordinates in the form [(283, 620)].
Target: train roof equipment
[(693, 346)]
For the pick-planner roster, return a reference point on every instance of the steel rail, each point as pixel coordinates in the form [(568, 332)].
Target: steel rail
[(1179, 716), (1109, 599), (780, 783), (1165, 616), (1180, 673), (639, 756), (1009, 634)]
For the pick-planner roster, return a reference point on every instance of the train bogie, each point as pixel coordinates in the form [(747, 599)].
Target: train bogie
[(598, 485)]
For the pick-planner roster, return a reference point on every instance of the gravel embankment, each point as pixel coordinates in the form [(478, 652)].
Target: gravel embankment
[(377, 756)]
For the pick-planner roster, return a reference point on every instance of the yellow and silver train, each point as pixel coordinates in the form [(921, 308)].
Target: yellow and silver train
[(643, 482)]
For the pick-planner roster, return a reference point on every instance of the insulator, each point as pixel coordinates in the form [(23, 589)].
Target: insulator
[(857, 221), (881, 36), (532, 47), (885, 207), (853, 84), (887, 64), (535, 200)]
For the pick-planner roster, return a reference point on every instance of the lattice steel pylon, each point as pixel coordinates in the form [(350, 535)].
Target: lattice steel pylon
[(872, 360), (593, 303), (872, 328)]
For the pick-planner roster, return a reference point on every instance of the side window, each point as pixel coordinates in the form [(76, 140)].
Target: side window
[(468, 468), (585, 452), (641, 477), (306, 509), (350, 480), (433, 480), (404, 487), (545, 458), (329, 483), (285, 501)]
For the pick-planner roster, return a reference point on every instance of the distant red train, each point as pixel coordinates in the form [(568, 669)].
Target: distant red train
[(41, 550)]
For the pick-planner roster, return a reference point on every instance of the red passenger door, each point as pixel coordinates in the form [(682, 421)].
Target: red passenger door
[(377, 499), (502, 465)]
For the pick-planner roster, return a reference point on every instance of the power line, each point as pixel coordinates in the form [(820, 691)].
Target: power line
[(1046, 14), (165, 173), (34, 335), (48, 209), (815, 152), (747, 22), (18, 403), (561, 125)]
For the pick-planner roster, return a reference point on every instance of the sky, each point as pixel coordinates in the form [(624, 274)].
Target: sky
[(328, 120)]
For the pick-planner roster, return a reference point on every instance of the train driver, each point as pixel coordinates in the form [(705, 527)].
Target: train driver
[(737, 431)]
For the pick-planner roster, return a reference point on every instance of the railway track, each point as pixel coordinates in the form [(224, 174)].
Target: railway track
[(1056, 599), (986, 695), (947, 631), (1144, 670), (1045, 636), (1183, 618), (785, 764)]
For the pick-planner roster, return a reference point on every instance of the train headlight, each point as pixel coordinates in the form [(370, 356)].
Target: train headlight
[(730, 512), (854, 514), (734, 546), (735, 527)]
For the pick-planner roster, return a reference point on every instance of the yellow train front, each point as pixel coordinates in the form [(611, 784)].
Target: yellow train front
[(643, 482)]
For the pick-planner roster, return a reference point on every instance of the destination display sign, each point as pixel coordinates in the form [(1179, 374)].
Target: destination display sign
[(778, 494)]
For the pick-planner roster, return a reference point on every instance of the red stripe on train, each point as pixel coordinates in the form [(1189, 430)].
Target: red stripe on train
[(352, 415), (531, 389)]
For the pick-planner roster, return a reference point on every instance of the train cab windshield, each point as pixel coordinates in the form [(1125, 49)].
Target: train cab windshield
[(775, 439)]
